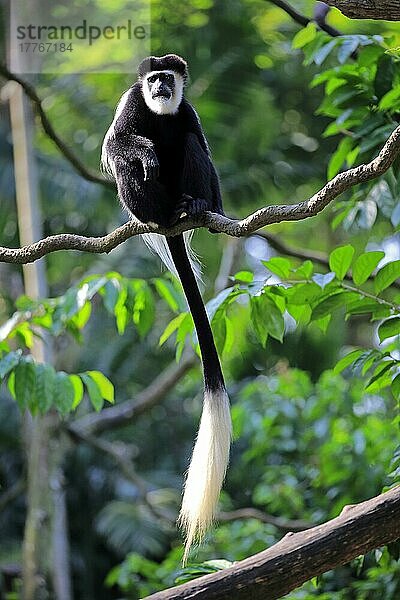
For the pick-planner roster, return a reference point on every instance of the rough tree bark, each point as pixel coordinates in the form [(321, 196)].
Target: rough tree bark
[(299, 557), (388, 10)]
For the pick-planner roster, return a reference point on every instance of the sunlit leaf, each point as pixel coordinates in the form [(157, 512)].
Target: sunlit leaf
[(347, 360), (105, 386), (389, 328), (304, 36), (386, 276), (340, 260), (364, 265), (93, 390), (24, 383), (279, 266)]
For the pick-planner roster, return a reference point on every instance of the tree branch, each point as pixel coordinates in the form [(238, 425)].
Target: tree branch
[(255, 513), (51, 133), (126, 412), (237, 228), (300, 556), (12, 493), (319, 17), (387, 10)]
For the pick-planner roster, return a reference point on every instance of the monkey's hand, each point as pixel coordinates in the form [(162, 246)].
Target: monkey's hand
[(151, 166), (189, 207)]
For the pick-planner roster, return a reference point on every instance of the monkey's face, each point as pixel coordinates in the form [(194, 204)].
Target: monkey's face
[(162, 91)]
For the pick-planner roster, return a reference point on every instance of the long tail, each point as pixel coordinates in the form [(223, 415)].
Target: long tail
[(211, 451)]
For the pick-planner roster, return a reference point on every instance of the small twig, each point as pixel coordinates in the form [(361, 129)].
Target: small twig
[(255, 513), (51, 133), (120, 453), (126, 412), (12, 493), (303, 20), (237, 228)]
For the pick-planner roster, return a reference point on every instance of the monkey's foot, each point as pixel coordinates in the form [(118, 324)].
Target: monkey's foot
[(189, 207)]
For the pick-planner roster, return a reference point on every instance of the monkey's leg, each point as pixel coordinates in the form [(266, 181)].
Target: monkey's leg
[(147, 200)]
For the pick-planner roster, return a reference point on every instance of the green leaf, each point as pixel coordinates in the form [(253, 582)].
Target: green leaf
[(386, 276), (245, 276), (391, 99), (396, 387), (279, 266), (171, 328), (143, 308), (44, 391), (82, 316), (329, 304), (304, 36), (362, 307), (104, 384), (364, 265), (381, 377), (323, 323), (267, 318), (24, 383), (303, 293), (222, 300), (185, 328), (64, 393), (110, 293), (347, 360), (11, 384), (78, 390), (305, 270), (389, 328), (230, 335), (340, 260), (9, 362), (93, 390), (121, 319), (168, 293)]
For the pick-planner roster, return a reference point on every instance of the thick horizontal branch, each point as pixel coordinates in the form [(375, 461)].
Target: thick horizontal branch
[(238, 228), (387, 10), (50, 131), (298, 557)]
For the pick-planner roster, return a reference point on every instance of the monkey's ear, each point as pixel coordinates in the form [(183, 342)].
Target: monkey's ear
[(147, 65)]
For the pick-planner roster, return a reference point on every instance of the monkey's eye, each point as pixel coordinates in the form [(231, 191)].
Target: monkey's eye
[(152, 78)]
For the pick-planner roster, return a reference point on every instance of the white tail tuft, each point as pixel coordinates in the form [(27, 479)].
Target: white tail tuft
[(207, 468), (158, 244)]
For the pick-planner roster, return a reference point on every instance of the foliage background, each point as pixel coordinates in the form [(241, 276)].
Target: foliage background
[(308, 440)]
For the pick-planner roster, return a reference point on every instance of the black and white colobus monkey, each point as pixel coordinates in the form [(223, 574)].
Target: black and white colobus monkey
[(156, 150)]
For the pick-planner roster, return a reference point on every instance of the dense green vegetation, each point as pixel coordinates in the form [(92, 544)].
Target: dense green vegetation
[(310, 350)]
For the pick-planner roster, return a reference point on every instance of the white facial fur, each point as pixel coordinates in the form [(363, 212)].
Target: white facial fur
[(164, 106)]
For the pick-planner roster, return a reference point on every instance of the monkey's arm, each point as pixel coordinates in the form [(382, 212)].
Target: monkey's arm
[(123, 142), (129, 148), (198, 151)]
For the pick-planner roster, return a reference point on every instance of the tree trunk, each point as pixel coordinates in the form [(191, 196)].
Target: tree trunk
[(388, 10), (44, 552)]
